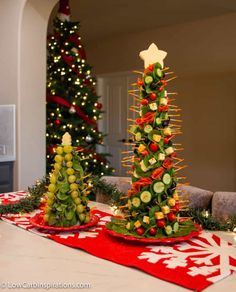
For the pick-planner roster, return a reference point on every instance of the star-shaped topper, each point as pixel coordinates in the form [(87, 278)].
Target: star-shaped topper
[(152, 55)]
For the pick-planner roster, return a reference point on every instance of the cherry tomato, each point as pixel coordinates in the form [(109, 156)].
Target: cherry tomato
[(144, 101), (153, 96), (140, 231), (153, 147), (153, 231), (171, 217), (161, 223)]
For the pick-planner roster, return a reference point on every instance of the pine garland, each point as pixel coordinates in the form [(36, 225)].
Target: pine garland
[(29, 203), (32, 202), (204, 218)]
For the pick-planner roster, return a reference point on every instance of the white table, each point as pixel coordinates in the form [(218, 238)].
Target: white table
[(26, 257)]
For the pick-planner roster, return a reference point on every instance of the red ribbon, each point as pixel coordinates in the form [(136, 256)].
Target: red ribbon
[(61, 101)]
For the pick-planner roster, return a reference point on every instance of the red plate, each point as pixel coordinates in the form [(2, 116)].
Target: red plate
[(37, 221), (157, 240)]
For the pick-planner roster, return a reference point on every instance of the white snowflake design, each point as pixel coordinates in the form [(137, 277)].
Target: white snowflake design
[(197, 251)]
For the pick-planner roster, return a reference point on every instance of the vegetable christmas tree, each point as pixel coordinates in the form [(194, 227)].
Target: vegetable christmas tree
[(72, 103), (152, 205), (68, 189)]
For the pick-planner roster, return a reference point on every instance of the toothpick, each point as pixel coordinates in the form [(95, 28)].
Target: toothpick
[(181, 177), (175, 120), (180, 161), (130, 120), (179, 149), (172, 78), (174, 115), (175, 110), (125, 152), (165, 69), (133, 110), (182, 167), (133, 90), (168, 73), (139, 72), (173, 105), (172, 93), (175, 125), (135, 95), (126, 181)]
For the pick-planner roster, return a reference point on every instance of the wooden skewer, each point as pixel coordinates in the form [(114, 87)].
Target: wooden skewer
[(134, 106), (173, 105), (126, 180), (172, 93), (183, 201), (181, 177), (135, 95), (168, 73), (174, 115), (175, 125), (165, 69), (175, 110), (172, 78), (133, 110), (133, 90), (178, 159), (175, 120), (182, 167), (171, 99), (179, 149), (179, 162), (139, 72), (125, 152), (175, 144)]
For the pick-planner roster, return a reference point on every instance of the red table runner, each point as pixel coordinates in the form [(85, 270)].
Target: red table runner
[(194, 264)]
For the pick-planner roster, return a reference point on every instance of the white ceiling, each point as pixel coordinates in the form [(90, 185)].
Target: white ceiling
[(101, 19)]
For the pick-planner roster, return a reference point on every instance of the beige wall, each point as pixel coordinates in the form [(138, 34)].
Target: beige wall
[(23, 26), (203, 55)]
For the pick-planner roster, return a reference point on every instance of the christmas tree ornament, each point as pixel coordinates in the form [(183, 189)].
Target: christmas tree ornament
[(88, 139), (57, 122), (72, 110), (151, 208)]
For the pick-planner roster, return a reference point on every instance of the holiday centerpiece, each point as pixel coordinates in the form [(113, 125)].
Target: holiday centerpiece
[(152, 204), (68, 189)]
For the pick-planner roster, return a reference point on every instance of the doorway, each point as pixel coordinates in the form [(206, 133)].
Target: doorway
[(113, 89)]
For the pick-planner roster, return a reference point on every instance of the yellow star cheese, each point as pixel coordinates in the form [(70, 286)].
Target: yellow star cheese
[(66, 139), (152, 55)]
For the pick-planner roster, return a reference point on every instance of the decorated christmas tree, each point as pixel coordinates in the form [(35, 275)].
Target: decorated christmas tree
[(67, 199), (152, 204), (72, 103)]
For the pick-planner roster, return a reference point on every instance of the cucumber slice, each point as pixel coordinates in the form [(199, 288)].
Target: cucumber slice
[(158, 187), (158, 121), (136, 202), (159, 72), (148, 79), (176, 227), (168, 229), (166, 179), (146, 196), (148, 128), (62, 196), (138, 136)]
